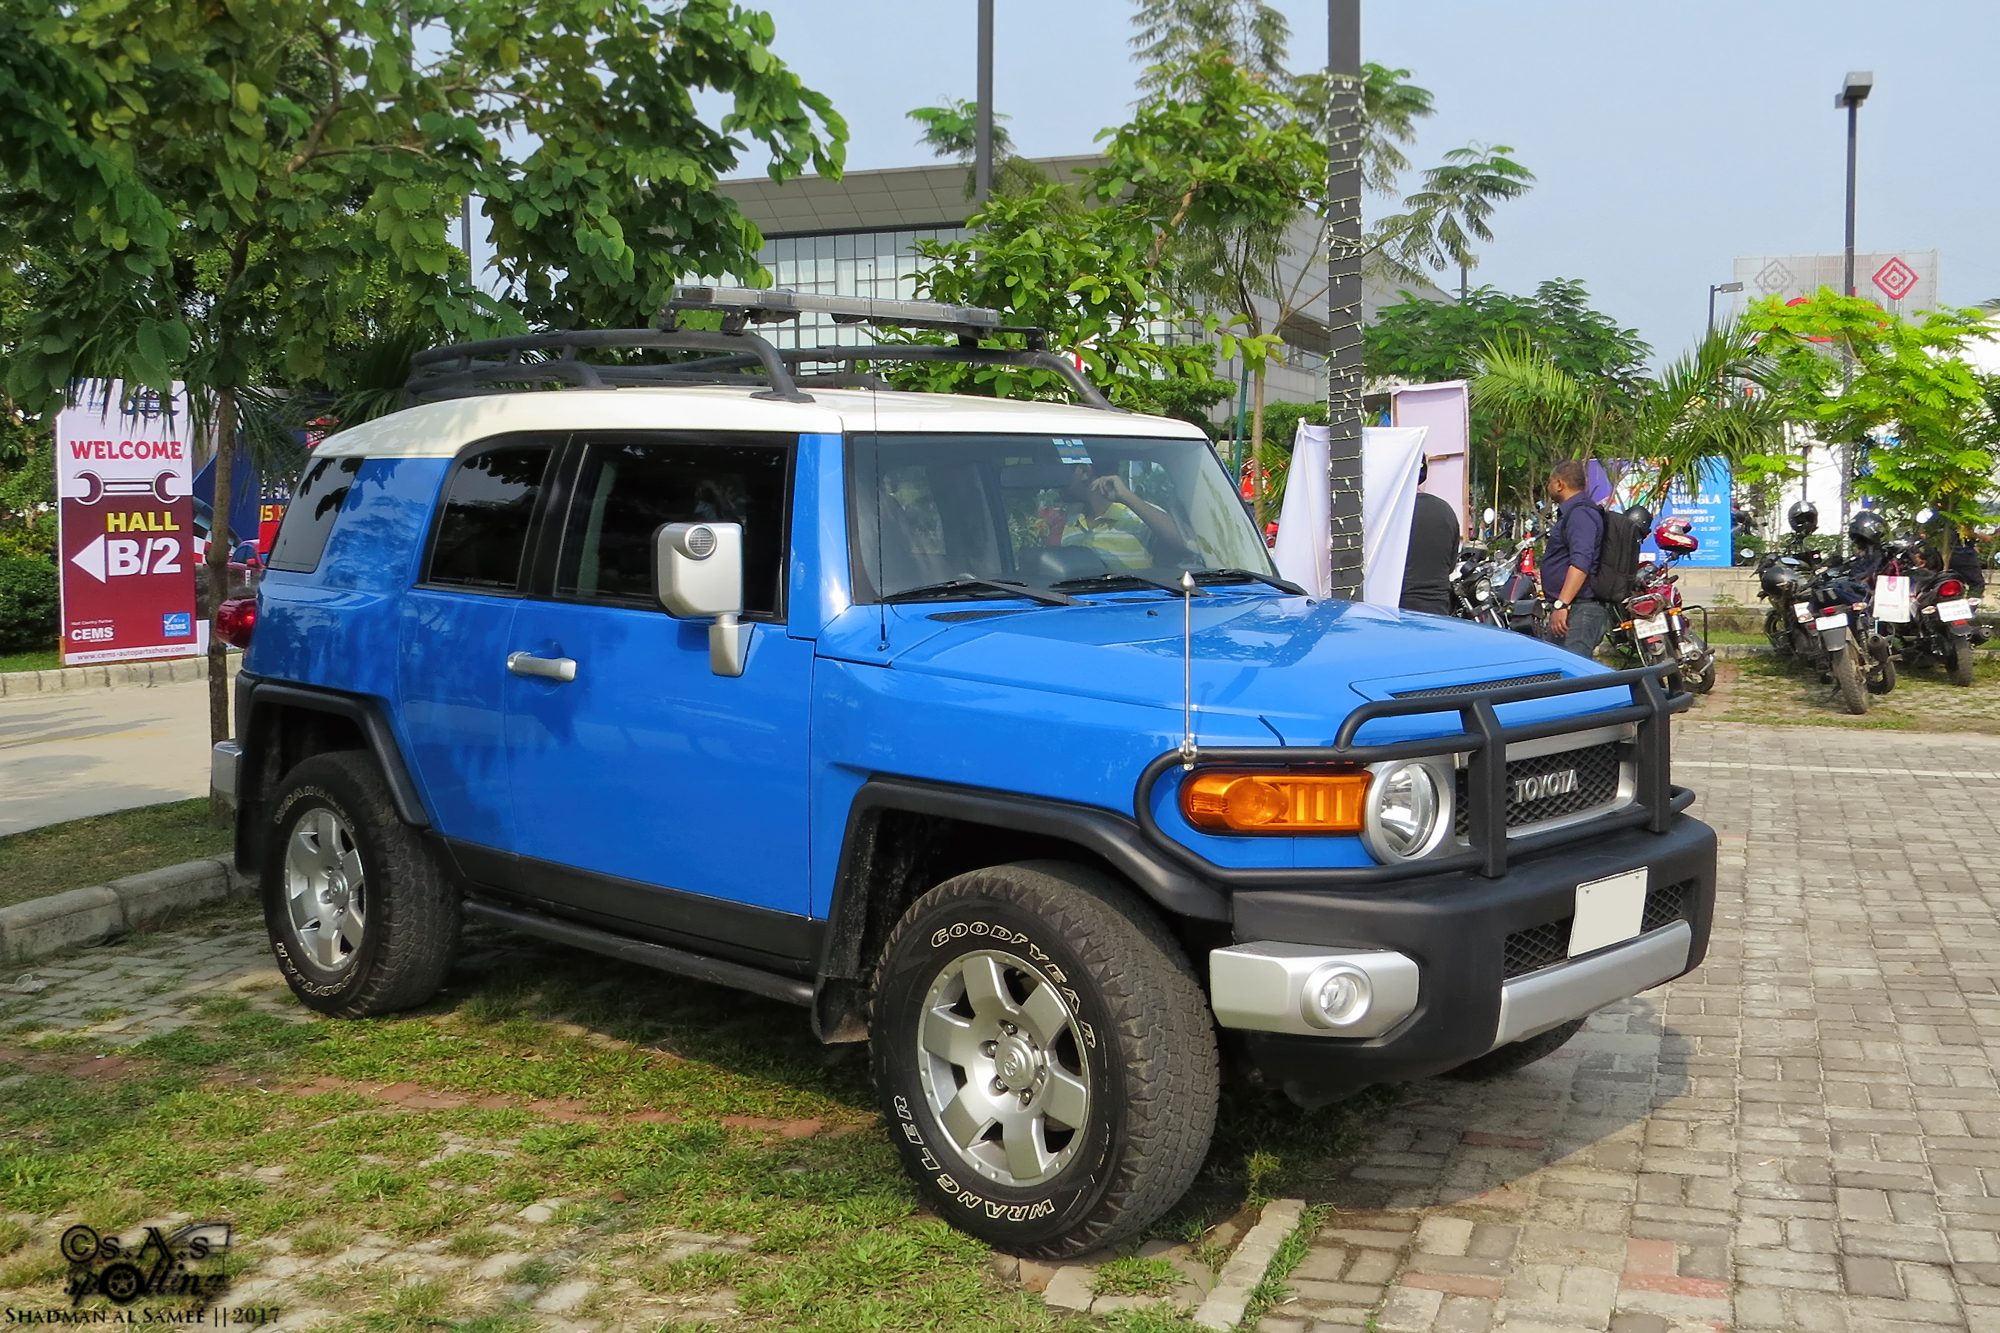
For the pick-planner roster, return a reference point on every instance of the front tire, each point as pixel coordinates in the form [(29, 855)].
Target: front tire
[(361, 919), (1044, 1057), (1847, 682)]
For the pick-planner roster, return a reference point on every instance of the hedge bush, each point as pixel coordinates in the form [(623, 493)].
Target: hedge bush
[(28, 603)]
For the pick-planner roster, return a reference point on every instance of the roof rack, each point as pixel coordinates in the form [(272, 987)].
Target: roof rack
[(488, 366)]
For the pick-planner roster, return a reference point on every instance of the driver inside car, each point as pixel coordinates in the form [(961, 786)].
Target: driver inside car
[(1111, 520)]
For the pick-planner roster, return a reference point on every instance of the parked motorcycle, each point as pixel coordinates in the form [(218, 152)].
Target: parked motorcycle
[(1653, 626), (1820, 614), (1928, 608), (1474, 581)]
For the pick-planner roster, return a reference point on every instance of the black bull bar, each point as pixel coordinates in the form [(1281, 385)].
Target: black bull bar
[(1655, 800)]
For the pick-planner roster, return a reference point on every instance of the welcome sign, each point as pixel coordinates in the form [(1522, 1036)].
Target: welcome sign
[(126, 535)]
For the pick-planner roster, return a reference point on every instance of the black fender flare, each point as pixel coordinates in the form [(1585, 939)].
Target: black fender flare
[(363, 710)]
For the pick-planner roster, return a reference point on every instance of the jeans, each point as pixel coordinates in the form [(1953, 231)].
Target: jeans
[(1587, 623)]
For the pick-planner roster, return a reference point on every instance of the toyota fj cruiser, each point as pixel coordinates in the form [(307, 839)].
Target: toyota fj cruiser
[(981, 729)]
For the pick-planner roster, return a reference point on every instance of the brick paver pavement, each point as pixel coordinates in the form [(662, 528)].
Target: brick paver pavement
[(1802, 1135)]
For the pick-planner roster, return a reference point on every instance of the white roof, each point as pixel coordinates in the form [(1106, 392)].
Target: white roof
[(440, 430)]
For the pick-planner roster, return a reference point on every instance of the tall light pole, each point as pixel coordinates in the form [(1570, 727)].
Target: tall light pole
[(982, 169), (1343, 363), (1852, 94), (1713, 288)]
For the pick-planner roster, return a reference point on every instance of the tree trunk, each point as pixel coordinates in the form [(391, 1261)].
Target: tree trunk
[(219, 813), (1263, 487)]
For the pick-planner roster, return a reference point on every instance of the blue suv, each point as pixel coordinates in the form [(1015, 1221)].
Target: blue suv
[(981, 729)]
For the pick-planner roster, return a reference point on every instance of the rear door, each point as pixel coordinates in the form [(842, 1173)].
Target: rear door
[(646, 788), (458, 629)]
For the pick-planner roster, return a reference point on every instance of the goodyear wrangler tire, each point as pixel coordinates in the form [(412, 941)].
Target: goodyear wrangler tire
[(1045, 1059), (361, 919)]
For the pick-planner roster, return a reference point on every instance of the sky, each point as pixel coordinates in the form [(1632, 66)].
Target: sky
[(1667, 138)]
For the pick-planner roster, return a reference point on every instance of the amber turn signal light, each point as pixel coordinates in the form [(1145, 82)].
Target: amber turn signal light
[(1241, 802)]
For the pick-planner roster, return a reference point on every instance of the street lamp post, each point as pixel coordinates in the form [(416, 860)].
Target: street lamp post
[(982, 158), (1713, 288), (1852, 94)]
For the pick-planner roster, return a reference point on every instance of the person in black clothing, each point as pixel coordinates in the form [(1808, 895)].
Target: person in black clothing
[(1577, 620), (1434, 539)]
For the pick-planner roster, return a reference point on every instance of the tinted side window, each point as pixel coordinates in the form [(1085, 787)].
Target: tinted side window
[(482, 537), (308, 520), (628, 487)]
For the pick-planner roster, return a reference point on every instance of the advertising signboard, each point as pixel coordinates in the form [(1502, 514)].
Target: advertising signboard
[(126, 535), (1707, 512)]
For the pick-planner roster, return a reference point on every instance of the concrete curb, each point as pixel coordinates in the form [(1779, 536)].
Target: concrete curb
[(1245, 1269), (42, 926), (171, 671)]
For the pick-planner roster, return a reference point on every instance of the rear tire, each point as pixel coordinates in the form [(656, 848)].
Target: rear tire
[(1517, 1054), (1958, 667), (1702, 681), (1044, 1057), (1847, 682), (361, 919)]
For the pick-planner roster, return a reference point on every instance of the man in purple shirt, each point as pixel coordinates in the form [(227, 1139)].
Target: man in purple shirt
[(1577, 620)]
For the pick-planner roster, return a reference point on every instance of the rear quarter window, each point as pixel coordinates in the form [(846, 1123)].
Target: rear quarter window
[(489, 507), (309, 518)]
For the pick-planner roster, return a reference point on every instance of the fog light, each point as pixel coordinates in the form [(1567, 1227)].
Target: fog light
[(1337, 996)]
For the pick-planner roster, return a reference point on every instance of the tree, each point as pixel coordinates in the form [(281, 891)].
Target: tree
[(952, 130), (1442, 220), (1694, 410), (1424, 341), (309, 164), (1084, 275), (1850, 370)]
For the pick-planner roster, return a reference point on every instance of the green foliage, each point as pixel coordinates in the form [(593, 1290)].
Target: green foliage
[(1428, 341), (27, 506), (1442, 220), (28, 600), (952, 130), (1852, 371), (1083, 275)]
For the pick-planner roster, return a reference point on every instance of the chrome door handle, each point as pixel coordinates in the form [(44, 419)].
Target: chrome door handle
[(549, 668)]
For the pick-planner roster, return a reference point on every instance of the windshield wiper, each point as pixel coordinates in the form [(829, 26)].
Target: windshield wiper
[(1234, 575), (970, 586), (1111, 582)]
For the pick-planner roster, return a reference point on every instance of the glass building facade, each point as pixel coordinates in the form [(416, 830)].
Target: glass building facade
[(865, 263)]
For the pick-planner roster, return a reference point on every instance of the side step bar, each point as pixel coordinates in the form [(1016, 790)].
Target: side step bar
[(698, 966)]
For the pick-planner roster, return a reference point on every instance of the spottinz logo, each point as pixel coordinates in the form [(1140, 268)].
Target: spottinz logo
[(1545, 785), (158, 1264)]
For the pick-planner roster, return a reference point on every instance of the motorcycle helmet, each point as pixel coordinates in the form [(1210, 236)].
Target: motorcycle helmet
[(1867, 529), (1803, 518), (1674, 538), (1640, 516)]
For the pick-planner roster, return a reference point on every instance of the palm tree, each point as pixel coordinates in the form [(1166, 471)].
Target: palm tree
[(1696, 409), (1451, 211), (952, 130)]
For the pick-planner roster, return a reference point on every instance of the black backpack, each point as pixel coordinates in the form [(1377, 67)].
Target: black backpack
[(1617, 570)]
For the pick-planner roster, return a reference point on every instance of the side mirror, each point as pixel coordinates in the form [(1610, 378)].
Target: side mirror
[(698, 572), (1489, 515)]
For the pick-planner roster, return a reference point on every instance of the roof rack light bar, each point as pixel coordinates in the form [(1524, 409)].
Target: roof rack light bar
[(768, 305)]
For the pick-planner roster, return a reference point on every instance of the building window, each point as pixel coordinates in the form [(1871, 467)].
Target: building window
[(868, 263)]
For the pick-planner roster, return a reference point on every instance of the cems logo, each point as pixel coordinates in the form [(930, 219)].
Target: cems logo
[(176, 625)]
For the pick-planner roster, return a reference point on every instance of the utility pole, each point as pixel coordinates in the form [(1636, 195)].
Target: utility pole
[(983, 140), (1343, 363), (1853, 92)]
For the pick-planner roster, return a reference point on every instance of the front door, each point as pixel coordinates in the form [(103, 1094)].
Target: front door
[(678, 794)]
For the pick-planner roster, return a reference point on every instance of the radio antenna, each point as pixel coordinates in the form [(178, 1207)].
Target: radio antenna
[(1187, 670)]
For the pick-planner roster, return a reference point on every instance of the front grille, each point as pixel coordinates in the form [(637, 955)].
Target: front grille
[(1596, 769), (1535, 948), (1474, 687), (1667, 904), (1545, 945)]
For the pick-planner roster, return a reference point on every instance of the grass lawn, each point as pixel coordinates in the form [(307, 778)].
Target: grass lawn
[(47, 660), (545, 1075), (1777, 690), (84, 852)]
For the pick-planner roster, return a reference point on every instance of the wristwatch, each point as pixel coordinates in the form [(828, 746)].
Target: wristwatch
[(1559, 604)]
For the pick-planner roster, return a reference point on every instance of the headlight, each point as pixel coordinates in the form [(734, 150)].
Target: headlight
[(1408, 812)]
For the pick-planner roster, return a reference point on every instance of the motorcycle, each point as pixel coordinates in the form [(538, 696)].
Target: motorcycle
[(1653, 627), (1473, 581), (1815, 611), (1941, 624)]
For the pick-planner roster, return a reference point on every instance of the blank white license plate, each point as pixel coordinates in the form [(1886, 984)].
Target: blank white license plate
[(1955, 611), (1838, 620), (1651, 627), (1607, 911), (1803, 610)]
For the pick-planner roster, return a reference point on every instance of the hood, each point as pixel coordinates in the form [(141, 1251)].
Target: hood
[(1296, 665)]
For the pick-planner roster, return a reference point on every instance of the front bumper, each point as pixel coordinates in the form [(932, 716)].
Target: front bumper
[(1465, 933)]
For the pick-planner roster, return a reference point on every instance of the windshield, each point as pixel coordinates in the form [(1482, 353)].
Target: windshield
[(1044, 511)]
